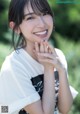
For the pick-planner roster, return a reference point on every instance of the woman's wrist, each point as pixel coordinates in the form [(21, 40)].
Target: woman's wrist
[(62, 70), (48, 68)]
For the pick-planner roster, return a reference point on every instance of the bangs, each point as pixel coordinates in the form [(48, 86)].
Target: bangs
[(40, 6)]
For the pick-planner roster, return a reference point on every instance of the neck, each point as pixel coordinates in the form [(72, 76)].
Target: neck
[(30, 50)]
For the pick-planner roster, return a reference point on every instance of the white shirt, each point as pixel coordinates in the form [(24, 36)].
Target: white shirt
[(16, 87)]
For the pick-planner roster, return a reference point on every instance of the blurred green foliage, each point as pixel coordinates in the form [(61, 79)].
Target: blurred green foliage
[(3, 20), (67, 20), (4, 51), (66, 37)]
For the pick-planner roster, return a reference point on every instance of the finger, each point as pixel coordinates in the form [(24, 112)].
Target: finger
[(49, 49), (46, 61), (36, 47), (46, 48), (46, 55), (41, 47), (52, 49)]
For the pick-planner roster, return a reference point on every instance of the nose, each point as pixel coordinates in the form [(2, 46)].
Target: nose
[(41, 22)]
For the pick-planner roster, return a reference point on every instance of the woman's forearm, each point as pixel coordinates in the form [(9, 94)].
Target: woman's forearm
[(48, 98), (65, 97)]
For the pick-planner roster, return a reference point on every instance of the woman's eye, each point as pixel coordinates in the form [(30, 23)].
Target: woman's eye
[(29, 18)]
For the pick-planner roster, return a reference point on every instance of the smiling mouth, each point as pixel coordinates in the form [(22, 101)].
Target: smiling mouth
[(42, 33)]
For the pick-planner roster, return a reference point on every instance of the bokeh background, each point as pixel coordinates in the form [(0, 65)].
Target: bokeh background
[(65, 37)]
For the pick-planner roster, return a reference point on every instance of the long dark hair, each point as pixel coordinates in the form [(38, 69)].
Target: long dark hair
[(16, 14)]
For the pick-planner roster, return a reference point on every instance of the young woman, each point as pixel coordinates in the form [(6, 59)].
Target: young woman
[(34, 76)]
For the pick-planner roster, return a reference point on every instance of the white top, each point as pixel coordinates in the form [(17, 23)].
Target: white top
[(18, 72)]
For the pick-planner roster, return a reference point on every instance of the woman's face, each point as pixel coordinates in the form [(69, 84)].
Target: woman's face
[(36, 28)]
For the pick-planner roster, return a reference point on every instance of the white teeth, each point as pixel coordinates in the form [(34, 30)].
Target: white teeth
[(41, 33)]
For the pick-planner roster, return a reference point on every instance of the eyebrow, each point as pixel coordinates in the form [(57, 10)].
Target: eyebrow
[(29, 14)]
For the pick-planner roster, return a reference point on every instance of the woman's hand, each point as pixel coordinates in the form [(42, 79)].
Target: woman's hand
[(47, 55)]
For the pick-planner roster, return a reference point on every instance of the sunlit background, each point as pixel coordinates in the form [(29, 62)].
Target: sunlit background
[(65, 37)]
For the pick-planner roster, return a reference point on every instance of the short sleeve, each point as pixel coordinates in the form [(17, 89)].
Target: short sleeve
[(62, 58), (16, 89), (64, 62), (74, 92)]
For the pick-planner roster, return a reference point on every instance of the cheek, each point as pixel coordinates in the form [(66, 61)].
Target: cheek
[(25, 28), (29, 27), (49, 22)]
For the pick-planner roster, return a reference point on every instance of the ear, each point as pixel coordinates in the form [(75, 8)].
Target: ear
[(11, 25)]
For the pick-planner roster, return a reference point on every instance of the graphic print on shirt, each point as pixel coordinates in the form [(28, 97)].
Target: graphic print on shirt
[(38, 83)]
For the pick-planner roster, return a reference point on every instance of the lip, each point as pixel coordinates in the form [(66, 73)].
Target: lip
[(42, 35)]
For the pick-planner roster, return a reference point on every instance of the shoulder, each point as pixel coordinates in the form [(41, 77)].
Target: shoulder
[(59, 52), (10, 60), (62, 57), (14, 63), (16, 57)]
